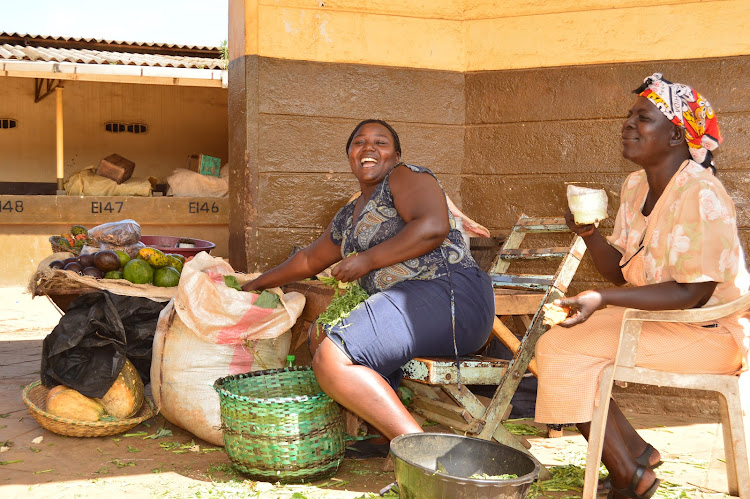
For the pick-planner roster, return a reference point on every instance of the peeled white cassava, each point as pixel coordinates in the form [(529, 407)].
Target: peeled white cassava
[(587, 205)]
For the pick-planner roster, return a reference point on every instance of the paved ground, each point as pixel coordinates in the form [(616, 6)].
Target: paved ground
[(182, 466)]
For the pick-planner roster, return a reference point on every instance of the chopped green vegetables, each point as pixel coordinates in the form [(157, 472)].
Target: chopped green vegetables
[(342, 304), (522, 429), (485, 476), (569, 477)]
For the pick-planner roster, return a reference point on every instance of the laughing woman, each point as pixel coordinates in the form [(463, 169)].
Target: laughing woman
[(675, 241), (399, 241)]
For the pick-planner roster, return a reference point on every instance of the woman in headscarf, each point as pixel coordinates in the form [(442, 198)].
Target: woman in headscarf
[(675, 241)]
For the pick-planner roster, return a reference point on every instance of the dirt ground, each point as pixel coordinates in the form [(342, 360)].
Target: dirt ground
[(36, 463)]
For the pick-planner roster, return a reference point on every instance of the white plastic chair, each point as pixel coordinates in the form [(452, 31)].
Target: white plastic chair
[(733, 402)]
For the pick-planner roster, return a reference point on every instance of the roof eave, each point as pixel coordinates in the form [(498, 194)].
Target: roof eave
[(115, 73)]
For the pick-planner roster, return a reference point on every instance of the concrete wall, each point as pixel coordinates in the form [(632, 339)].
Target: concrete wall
[(525, 141), (306, 112), (506, 101), (181, 121)]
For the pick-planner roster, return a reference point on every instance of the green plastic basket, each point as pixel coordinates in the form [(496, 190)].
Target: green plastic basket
[(278, 425)]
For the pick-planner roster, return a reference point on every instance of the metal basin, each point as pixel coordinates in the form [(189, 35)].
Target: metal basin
[(419, 456)]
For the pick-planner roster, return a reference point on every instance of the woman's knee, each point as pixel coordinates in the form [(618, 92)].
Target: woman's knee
[(328, 357)]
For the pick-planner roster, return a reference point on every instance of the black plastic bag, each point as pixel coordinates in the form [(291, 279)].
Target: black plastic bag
[(88, 347)]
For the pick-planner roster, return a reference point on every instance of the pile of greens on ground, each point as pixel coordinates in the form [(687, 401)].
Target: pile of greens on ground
[(347, 296)]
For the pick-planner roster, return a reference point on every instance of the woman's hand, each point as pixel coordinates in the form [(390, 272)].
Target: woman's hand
[(352, 267), (582, 306), (581, 230)]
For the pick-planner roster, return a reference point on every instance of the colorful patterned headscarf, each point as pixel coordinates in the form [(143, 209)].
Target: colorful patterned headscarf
[(685, 107)]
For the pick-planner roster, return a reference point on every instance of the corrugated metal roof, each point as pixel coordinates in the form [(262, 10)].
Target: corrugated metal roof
[(14, 46)]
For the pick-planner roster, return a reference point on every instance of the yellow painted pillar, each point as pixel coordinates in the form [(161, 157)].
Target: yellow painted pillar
[(59, 138)]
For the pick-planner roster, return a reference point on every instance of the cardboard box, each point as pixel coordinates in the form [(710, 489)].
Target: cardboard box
[(204, 164), (116, 167)]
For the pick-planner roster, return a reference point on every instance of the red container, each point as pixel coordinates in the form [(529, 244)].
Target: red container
[(168, 244)]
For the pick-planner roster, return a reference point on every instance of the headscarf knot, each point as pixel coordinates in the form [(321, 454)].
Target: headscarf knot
[(685, 107)]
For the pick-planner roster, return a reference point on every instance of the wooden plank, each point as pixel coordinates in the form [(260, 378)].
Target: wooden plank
[(446, 410), (514, 240), (420, 389), (426, 412), (94, 210), (523, 281), (557, 252), (466, 399), (475, 370), (518, 366), (541, 224), (515, 302), (143, 80), (510, 340)]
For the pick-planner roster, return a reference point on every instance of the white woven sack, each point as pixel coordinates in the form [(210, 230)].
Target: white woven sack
[(220, 314), (184, 368)]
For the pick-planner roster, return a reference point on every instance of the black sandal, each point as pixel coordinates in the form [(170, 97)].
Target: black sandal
[(364, 449), (645, 456), (630, 490), (606, 485)]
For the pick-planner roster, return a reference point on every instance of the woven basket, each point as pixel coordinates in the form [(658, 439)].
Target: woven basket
[(278, 425), (35, 396)]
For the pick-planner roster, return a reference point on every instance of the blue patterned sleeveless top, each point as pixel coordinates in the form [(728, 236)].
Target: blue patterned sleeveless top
[(380, 221)]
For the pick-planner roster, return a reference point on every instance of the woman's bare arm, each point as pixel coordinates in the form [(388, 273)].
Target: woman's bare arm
[(661, 296), (305, 263), (606, 258)]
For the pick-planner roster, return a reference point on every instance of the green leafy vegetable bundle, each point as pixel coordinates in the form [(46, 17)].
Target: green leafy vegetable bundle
[(348, 296)]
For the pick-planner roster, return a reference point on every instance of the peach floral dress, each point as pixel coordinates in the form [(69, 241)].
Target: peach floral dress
[(693, 239)]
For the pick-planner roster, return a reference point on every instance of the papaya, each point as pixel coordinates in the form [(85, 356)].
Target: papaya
[(125, 397), (64, 402), (153, 256), (138, 271), (166, 277)]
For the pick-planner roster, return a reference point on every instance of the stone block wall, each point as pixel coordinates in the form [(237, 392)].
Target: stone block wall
[(530, 132)]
